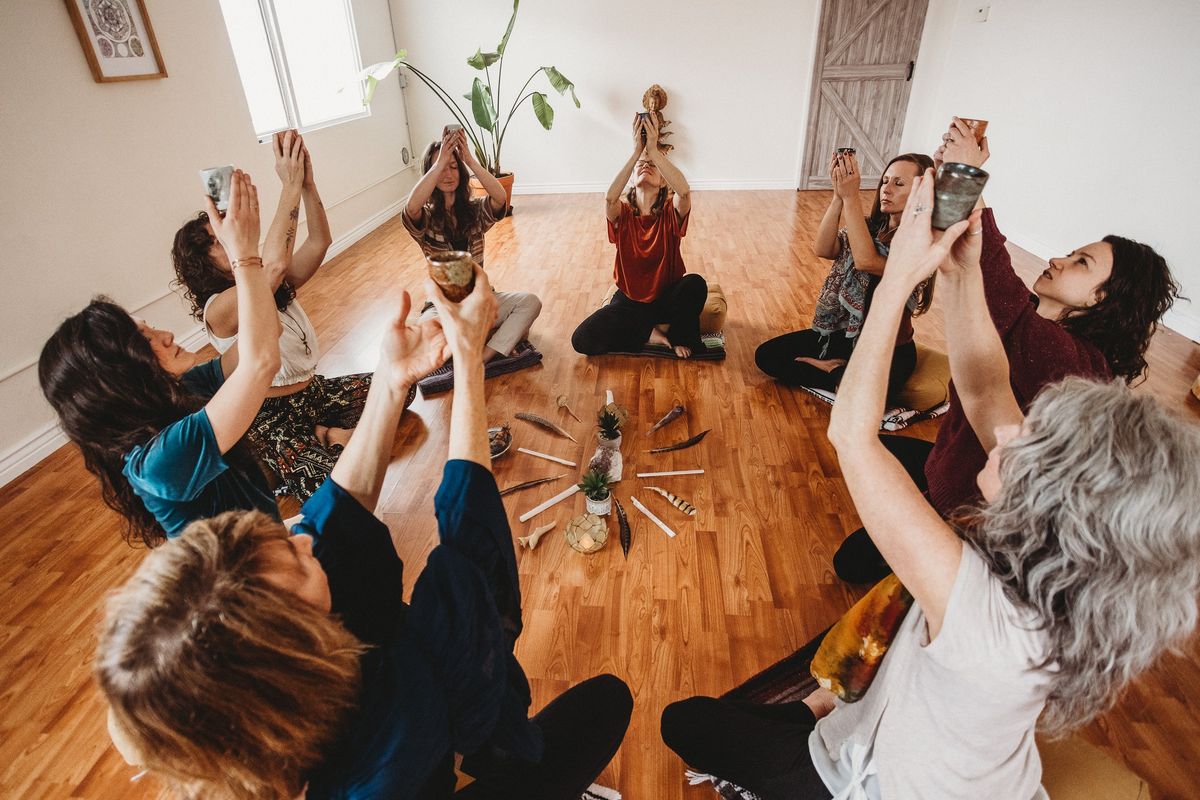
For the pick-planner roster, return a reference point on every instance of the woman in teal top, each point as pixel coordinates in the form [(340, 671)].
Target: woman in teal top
[(158, 425)]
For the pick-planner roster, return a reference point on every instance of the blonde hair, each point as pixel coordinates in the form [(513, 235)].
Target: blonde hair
[(222, 682), (1096, 531)]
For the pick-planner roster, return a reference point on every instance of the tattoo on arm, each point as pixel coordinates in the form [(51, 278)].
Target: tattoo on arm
[(294, 216)]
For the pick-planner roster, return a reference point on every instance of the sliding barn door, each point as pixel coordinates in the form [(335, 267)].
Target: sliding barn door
[(866, 54)]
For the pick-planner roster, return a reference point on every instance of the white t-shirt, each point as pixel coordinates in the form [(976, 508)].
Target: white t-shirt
[(298, 350), (953, 718)]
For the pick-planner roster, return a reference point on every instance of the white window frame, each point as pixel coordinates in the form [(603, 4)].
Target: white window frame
[(284, 78)]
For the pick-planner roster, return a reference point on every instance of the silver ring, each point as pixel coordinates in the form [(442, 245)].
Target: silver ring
[(975, 233), (918, 209)]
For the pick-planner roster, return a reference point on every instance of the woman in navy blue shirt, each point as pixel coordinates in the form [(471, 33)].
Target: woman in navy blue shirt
[(221, 682), (159, 426)]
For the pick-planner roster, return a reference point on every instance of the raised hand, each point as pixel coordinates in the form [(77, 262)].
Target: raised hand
[(238, 230), (965, 253), (917, 249), (467, 324), (310, 182), (290, 156), (650, 124), (959, 145), (410, 352), (845, 176), (446, 151), (640, 137)]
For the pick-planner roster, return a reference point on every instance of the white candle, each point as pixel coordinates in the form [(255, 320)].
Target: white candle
[(555, 459), (563, 495), (665, 474), (653, 518)]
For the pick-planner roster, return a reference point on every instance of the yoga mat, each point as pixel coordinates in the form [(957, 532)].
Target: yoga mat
[(442, 379)]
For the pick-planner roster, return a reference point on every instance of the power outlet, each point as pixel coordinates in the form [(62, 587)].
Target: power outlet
[(980, 13)]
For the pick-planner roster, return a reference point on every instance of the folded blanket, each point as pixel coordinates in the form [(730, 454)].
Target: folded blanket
[(714, 349), (894, 419), (442, 378)]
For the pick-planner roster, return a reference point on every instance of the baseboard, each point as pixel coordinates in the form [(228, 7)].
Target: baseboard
[(715, 184), (31, 452), (41, 444), (1184, 319)]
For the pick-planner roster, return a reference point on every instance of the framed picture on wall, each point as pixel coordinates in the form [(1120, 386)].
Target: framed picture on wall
[(117, 39)]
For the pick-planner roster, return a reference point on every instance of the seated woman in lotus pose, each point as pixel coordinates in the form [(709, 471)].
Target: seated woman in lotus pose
[(1092, 314), (441, 215), (1081, 566), (307, 418), (817, 357), (243, 661), (652, 289), (160, 427)]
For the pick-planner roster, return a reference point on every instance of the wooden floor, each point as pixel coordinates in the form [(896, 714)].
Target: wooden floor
[(745, 582)]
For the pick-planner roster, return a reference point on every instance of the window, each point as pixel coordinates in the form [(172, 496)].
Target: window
[(298, 60)]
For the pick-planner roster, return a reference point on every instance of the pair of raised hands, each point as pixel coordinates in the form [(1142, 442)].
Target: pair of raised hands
[(454, 143), (647, 125), (238, 229), (293, 164), (410, 352)]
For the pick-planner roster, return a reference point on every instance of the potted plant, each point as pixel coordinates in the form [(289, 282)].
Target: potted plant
[(596, 489), (610, 420), (485, 100)]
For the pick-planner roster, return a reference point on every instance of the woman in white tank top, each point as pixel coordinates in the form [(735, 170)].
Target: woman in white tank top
[(307, 418)]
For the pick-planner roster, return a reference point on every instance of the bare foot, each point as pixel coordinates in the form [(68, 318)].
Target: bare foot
[(658, 337), (331, 436), (824, 364), (821, 702), (683, 352)]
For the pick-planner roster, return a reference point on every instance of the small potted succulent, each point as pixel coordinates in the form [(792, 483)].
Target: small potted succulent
[(595, 487), (610, 420)]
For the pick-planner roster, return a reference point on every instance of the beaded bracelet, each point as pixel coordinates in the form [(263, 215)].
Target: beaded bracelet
[(249, 261)]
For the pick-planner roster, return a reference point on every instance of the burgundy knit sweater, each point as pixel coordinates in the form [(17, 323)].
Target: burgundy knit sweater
[(1040, 352)]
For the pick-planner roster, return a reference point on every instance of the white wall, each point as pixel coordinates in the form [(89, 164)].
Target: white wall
[(97, 178), (1092, 118), (738, 76)]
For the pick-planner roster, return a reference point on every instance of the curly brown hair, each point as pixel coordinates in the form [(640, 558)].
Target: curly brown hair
[(1132, 301), (198, 274)]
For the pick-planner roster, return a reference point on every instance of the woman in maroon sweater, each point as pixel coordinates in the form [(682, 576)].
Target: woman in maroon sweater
[(1091, 314)]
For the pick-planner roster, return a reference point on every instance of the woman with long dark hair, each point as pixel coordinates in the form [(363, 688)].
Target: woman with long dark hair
[(158, 425), (646, 221), (441, 215), (1091, 313), (1077, 570), (243, 662), (817, 357), (307, 418)]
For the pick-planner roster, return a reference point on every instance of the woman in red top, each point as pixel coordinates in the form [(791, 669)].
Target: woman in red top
[(646, 226), (1091, 314)]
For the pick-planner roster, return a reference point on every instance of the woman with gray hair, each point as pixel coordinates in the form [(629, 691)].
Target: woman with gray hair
[(1081, 567)]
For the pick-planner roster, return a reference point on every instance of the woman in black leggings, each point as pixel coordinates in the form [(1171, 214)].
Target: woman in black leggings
[(817, 357)]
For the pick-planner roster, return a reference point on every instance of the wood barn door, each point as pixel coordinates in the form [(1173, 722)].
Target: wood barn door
[(866, 54)]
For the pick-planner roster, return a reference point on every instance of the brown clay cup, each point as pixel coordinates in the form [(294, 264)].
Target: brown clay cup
[(977, 126), (454, 272)]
